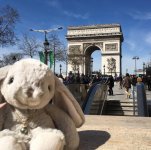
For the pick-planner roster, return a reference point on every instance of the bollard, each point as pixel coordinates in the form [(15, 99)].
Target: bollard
[(141, 100)]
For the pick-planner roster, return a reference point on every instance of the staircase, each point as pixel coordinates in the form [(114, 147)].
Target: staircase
[(120, 108)]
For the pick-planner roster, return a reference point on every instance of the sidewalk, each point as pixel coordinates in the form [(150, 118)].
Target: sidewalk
[(119, 94), (115, 133)]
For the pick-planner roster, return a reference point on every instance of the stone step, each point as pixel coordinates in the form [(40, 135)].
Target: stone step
[(120, 107), (120, 113), (125, 108)]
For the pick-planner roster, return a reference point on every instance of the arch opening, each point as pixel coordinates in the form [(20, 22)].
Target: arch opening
[(93, 60)]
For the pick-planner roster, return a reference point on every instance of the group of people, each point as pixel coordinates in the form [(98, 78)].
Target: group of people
[(127, 82), (77, 78), (130, 81), (124, 82)]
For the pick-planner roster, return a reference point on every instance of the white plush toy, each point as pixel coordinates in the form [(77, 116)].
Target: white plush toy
[(40, 113)]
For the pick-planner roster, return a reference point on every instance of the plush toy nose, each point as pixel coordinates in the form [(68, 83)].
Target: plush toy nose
[(30, 91)]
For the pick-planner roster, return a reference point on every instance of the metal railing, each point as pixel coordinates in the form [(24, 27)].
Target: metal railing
[(96, 97)]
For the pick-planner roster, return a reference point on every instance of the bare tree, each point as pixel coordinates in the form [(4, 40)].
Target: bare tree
[(75, 60), (10, 59), (8, 18), (29, 46), (75, 57)]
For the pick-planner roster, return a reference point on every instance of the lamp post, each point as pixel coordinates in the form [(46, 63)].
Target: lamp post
[(78, 70), (46, 43), (115, 70), (143, 68), (104, 69), (135, 58), (126, 70), (91, 66), (46, 50), (60, 68)]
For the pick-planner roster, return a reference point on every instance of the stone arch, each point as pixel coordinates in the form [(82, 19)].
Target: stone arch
[(107, 37), (88, 60)]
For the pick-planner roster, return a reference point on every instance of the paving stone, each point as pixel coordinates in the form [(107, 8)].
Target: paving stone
[(115, 133)]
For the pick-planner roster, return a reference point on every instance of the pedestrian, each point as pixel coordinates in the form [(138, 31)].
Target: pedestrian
[(120, 82), (127, 85), (110, 84), (149, 82)]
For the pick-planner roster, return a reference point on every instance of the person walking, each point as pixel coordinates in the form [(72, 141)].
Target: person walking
[(127, 85), (111, 85), (120, 82)]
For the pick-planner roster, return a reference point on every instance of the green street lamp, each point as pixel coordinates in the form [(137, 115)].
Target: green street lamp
[(46, 43), (46, 51), (60, 68), (143, 68), (135, 58), (104, 69)]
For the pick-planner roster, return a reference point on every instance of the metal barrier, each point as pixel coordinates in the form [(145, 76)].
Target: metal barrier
[(139, 100), (95, 99), (79, 91)]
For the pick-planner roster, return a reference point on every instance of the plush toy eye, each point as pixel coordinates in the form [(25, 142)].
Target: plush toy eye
[(11, 80), (37, 84), (49, 88)]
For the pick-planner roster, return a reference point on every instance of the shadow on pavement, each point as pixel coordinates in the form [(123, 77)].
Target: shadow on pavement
[(92, 139)]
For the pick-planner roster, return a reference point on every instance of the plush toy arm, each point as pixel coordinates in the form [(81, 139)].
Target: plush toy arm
[(64, 123), (44, 139), (65, 101), (9, 141)]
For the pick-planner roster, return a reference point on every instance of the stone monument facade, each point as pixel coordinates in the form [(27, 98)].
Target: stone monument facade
[(84, 40)]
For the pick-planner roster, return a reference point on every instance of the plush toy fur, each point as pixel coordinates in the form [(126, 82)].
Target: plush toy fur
[(40, 113)]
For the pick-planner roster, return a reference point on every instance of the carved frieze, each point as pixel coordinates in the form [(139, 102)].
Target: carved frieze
[(74, 49), (111, 47), (85, 45), (99, 44), (85, 31)]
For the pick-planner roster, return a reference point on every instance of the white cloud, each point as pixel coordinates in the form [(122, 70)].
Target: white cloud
[(54, 3), (138, 40), (130, 45), (74, 15), (148, 38), (138, 15)]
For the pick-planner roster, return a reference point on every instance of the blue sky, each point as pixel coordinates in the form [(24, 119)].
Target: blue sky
[(133, 15)]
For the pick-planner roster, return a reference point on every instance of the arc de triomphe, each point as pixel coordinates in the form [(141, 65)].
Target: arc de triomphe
[(84, 40)]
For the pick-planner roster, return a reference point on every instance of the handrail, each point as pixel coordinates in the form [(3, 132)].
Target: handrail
[(134, 93), (91, 94), (100, 112)]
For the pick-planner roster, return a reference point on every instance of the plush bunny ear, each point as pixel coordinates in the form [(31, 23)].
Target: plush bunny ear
[(3, 73), (65, 100)]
